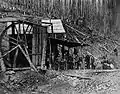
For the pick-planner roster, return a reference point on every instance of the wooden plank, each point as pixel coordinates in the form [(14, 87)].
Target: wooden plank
[(57, 26)]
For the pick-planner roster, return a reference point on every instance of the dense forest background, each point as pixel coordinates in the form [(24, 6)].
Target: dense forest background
[(101, 16)]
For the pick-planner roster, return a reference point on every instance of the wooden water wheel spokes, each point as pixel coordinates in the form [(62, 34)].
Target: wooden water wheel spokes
[(15, 44)]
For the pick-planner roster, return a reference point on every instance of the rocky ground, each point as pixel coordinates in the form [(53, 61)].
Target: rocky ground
[(65, 82)]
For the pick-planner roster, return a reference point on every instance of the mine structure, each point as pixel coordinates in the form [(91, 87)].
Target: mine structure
[(58, 35)]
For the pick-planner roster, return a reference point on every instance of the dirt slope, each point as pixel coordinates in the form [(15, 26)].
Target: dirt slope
[(69, 82)]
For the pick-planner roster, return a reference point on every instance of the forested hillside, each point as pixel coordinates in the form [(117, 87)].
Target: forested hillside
[(99, 15)]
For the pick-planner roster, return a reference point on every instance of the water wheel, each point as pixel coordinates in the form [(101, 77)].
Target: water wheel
[(15, 44)]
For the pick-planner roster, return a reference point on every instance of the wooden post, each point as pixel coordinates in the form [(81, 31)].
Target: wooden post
[(37, 45), (43, 54), (43, 50), (3, 68), (40, 34), (90, 62), (33, 46), (50, 55), (16, 51)]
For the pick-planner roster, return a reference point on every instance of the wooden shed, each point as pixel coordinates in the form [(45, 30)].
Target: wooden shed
[(23, 43)]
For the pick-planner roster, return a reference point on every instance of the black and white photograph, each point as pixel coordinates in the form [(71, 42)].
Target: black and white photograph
[(59, 46)]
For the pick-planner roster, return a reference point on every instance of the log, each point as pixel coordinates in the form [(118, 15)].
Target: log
[(80, 77), (22, 69)]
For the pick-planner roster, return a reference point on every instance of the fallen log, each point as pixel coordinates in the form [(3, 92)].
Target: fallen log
[(21, 69), (80, 77)]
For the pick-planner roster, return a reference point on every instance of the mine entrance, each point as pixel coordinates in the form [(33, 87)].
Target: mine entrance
[(20, 59)]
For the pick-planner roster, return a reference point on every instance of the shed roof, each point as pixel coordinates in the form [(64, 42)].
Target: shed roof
[(66, 43), (57, 25)]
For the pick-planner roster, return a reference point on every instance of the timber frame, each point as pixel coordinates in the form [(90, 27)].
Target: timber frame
[(25, 39)]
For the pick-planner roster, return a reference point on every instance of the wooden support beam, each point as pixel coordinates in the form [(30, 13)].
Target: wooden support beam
[(28, 58)]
